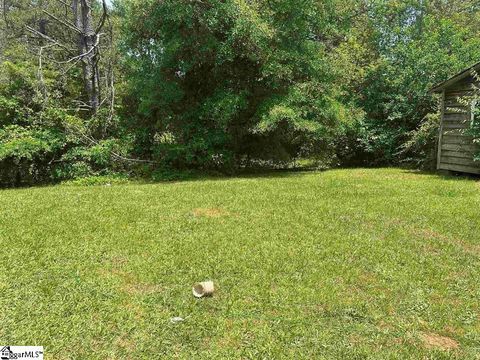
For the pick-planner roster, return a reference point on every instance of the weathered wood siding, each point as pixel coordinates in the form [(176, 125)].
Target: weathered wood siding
[(456, 148)]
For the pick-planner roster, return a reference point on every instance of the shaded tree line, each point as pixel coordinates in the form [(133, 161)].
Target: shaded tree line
[(152, 88)]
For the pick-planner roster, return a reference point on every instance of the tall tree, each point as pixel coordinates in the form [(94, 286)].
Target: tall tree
[(219, 83), (415, 44), (56, 120), (88, 47)]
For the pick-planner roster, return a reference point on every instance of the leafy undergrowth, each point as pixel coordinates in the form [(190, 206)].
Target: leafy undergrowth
[(106, 180), (343, 264)]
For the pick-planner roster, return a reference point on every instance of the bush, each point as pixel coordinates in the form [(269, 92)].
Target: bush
[(420, 150), (40, 141), (220, 85), (106, 180)]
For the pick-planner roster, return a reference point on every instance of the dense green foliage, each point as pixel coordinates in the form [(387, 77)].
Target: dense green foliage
[(227, 82), (472, 101), (347, 83), (45, 135), (41, 141), (223, 85), (98, 272), (419, 45)]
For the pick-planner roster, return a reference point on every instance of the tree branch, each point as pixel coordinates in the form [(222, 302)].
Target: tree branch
[(67, 24), (104, 17), (63, 2), (81, 56), (46, 37), (41, 80)]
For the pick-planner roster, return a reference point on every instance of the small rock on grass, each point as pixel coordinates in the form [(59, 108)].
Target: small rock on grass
[(176, 319)]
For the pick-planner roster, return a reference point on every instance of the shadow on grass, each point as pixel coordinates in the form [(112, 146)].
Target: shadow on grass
[(248, 174), (444, 174), (244, 174), (171, 179), (298, 172), (280, 174)]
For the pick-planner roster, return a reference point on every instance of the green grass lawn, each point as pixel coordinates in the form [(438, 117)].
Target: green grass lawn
[(343, 264)]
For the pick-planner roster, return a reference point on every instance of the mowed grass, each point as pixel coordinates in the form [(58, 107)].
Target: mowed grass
[(343, 264)]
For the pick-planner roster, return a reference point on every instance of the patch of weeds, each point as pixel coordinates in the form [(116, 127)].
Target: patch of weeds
[(105, 180), (173, 175)]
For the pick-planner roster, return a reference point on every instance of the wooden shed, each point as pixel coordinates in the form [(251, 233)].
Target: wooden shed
[(456, 148)]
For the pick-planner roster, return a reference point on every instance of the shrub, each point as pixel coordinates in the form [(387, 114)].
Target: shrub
[(420, 149)]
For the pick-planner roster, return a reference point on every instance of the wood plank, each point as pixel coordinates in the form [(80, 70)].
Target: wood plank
[(457, 109), (464, 84), (458, 154), (458, 93), (460, 148), (460, 97), (457, 139), (440, 130), (455, 106), (462, 88), (460, 135), (460, 168), (456, 132), (461, 122), (454, 112), (457, 117), (456, 125), (459, 161), (455, 102)]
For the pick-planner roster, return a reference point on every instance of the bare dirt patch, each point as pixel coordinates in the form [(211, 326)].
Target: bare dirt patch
[(430, 234), (124, 342), (395, 222), (210, 212), (383, 325), (141, 288), (455, 331), (356, 340), (135, 309), (118, 260), (130, 284), (435, 341), (434, 235)]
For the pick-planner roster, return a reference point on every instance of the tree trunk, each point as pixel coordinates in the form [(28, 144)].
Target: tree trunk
[(88, 50)]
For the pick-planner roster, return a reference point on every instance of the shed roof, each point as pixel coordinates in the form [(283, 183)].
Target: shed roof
[(461, 75)]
